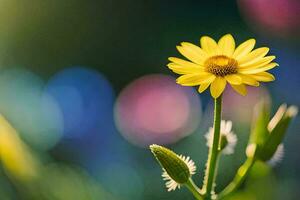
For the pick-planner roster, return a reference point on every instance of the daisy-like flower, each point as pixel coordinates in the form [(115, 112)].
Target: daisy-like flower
[(228, 137), (171, 184), (278, 156), (216, 63)]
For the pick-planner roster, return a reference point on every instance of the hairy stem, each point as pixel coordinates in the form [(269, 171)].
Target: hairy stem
[(194, 189), (213, 151)]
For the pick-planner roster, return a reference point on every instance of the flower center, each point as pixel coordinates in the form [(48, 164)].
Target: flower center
[(221, 65)]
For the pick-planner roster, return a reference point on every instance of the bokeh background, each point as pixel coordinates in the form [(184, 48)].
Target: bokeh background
[(85, 85)]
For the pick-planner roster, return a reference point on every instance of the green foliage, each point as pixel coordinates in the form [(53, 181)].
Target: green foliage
[(268, 134)]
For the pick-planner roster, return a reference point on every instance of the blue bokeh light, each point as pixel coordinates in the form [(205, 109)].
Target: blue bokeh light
[(86, 100)]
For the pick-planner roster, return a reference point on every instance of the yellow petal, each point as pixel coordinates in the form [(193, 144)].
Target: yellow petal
[(263, 76), (217, 87), (249, 80), (243, 49), (184, 63), (188, 78), (226, 45), (234, 79), (209, 79), (241, 89), (195, 79), (191, 54), (253, 56), (199, 55), (183, 69), (263, 61), (261, 69), (209, 45), (203, 87)]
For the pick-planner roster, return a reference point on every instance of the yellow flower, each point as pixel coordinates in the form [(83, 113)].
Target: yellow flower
[(214, 64)]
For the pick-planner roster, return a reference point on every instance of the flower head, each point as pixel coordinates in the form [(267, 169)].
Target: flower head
[(214, 64), (171, 184), (228, 138), (177, 169)]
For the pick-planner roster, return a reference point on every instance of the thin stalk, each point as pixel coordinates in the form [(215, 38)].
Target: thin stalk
[(194, 189), (213, 151), (239, 178)]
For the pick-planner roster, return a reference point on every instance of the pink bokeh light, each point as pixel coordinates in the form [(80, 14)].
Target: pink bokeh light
[(154, 109), (239, 108), (276, 17)]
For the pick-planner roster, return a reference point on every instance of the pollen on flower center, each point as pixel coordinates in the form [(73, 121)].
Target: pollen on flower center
[(221, 65)]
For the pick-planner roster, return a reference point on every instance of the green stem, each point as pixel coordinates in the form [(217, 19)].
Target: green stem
[(213, 151), (194, 189), (239, 178)]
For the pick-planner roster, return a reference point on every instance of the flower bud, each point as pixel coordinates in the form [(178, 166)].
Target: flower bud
[(259, 132), (277, 127), (176, 168), (227, 141), (223, 142)]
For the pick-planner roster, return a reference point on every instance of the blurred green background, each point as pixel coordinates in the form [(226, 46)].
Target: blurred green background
[(86, 86)]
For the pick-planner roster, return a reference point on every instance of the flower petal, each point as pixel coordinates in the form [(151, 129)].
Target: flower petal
[(247, 79), (263, 76), (243, 49), (261, 69), (217, 87), (228, 126), (227, 45), (203, 87), (209, 45), (263, 61), (234, 79), (189, 79), (241, 89), (253, 56), (192, 52), (183, 63), (195, 79), (197, 54), (223, 126), (183, 69)]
